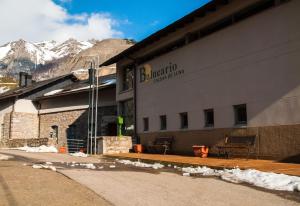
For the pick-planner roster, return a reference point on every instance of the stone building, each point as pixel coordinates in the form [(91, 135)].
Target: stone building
[(229, 68), (63, 114), (19, 118)]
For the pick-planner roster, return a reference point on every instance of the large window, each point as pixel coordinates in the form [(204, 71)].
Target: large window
[(146, 124), (209, 117), (240, 114), (126, 111), (184, 120), (163, 122), (127, 79)]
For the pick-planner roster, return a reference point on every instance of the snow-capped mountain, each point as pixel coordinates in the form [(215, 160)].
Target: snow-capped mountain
[(49, 59), (22, 55)]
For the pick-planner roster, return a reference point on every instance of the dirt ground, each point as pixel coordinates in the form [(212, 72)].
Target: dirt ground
[(22, 185)]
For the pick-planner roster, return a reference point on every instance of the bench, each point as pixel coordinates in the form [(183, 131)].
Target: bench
[(161, 145), (235, 143)]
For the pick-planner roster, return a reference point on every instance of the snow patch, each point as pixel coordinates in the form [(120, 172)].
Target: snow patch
[(88, 165), (42, 166), (141, 164), (43, 148), (266, 180), (5, 157), (53, 92), (79, 154), (4, 50)]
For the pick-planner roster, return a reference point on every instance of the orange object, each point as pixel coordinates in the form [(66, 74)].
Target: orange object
[(62, 150), (200, 151), (138, 148)]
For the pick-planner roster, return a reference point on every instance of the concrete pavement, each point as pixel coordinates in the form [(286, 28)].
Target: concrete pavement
[(128, 185)]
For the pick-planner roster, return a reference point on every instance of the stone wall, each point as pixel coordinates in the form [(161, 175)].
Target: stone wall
[(63, 120), (272, 142), (114, 145), (78, 119), (13, 143), (24, 126)]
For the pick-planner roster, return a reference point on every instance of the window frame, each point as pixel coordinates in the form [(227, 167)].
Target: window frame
[(206, 123), (163, 119), (236, 109), (145, 124), (182, 120)]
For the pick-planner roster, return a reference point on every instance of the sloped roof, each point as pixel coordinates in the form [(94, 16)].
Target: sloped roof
[(80, 86), (35, 86)]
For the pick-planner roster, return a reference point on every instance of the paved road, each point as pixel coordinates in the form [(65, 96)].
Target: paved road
[(126, 185), (24, 186)]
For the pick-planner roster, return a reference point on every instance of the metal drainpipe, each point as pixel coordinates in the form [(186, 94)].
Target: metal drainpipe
[(134, 102)]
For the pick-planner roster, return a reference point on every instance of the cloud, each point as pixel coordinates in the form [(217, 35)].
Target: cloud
[(38, 20)]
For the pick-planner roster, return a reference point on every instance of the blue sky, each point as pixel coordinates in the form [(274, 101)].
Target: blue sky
[(135, 18), (59, 20)]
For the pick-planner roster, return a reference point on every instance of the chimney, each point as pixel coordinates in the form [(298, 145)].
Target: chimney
[(24, 79)]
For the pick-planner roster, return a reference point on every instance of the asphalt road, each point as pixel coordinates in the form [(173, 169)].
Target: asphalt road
[(127, 185)]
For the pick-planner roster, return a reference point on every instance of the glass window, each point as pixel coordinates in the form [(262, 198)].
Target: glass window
[(209, 117), (184, 120), (240, 114), (126, 111), (127, 81), (163, 122), (146, 123)]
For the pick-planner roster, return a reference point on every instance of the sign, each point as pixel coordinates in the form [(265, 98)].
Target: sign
[(170, 71)]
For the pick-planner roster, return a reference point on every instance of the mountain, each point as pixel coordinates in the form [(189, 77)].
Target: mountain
[(25, 56), (49, 59)]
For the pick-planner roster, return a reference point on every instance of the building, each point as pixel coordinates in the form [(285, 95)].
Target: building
[(63, 113), (19, 118), (229, 68)]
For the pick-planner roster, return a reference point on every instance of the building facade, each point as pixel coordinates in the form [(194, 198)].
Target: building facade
[(229, 68), (63, 116)]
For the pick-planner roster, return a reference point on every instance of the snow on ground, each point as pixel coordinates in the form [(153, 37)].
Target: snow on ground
[(44, 166), (266, 180), (43, 148), (79, 154), (88, 165), (141, 164), (5, 157)]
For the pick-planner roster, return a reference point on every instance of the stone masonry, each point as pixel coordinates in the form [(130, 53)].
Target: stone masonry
[(114, 145)]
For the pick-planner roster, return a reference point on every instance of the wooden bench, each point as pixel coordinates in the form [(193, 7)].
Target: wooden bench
[(161, 145), (234, 143)]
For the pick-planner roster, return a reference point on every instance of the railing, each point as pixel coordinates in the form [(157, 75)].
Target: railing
[(74, 145)]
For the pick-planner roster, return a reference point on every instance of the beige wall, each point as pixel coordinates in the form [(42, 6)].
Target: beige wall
[(25, 106), (255, 61), (5, 107)]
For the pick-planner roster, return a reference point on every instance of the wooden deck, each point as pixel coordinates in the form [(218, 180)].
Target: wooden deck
[(262, 165)]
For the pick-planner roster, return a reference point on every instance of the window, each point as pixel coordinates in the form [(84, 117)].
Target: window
[(163, 122), (209, 117), (184, 120), (54, 132), (126, 111), (127, 79), (240, 114), (146, 123)]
